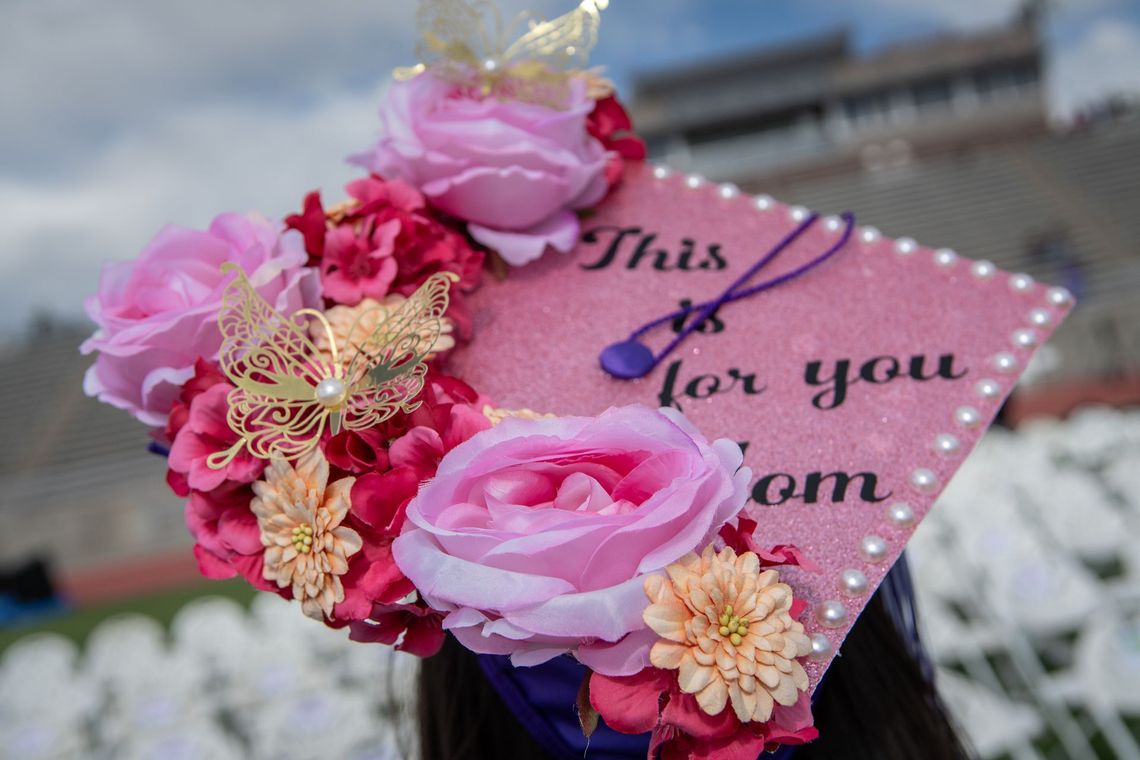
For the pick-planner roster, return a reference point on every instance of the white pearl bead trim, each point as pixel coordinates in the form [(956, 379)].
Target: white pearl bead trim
[(946, 444), (820, 647), (967, 416), (944, 257), (853, 582), (983, 269), (831, 614), (1020, 283), (988, 389), (905, 246), (873, 548), (900, 514), (1005, 362)]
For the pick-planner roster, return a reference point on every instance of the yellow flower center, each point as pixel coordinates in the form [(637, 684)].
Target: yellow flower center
[(303, 539), (735, 628)]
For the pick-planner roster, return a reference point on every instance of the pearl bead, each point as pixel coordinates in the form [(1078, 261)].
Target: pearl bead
[(1058, 296), (820, 647), (1005, 362), (832, 223), (873, 548), (1040, 317), (983, 269), (693, 181), (946, 444), (944, 257), (571, 50), (798, 213), (661, 172), (924, 479), (1024, 338), (728, 191), (967, 416), (331, 391), (831, 614), (853, 582), (1020, 282), (905, 246), (490, 64), (763, 202), (900, 514), (988, 388), (870, 235)]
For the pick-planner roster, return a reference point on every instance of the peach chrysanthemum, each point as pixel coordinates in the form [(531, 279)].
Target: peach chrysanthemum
[(726, 628), (497, 415), (371, 314), (300, 515)]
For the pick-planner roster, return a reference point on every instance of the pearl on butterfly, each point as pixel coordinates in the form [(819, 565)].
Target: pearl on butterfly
[(490, 64), (853, 582), (820, 647), (661, 172), (905, 246), (1020, 282), (763, 202), (873, 548), (1005, 362), (831, 614), (870, 235), (693, 181), (1058, 296), (728, 191), (988, 388), (331, 392), (1040, 317), (946, 444), (967, 416), (1024, 338), (901, 514), (945, 257), (983, 269)]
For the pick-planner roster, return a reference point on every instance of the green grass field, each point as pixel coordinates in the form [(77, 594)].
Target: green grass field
[(77, 624)]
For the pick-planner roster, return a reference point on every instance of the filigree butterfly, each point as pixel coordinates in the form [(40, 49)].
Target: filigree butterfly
[(286, 391), (466, 42)]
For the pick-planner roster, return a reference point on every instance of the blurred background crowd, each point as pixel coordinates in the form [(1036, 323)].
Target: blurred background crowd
[(1007, 131)]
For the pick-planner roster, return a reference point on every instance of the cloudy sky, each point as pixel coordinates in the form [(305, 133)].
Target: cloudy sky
[(122, 115)]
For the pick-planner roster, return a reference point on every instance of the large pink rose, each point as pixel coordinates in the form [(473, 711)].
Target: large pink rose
[(158, 314), (535, 536), (514, 171)]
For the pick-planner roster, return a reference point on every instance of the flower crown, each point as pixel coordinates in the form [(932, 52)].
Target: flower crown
[(295, 374)]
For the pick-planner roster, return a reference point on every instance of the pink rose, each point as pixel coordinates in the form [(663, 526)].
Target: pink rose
[(158, 314), (513, 171), (535, 536)]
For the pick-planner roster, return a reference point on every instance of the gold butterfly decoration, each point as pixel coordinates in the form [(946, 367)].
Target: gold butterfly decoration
[(467, 42), (286, 391)]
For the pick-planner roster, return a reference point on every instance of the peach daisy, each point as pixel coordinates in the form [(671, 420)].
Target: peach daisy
[(727, 630), (353, 324), (299, 515)]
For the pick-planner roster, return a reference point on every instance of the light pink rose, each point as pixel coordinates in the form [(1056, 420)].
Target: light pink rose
[(535, 536), (513, 171), (158, 314)]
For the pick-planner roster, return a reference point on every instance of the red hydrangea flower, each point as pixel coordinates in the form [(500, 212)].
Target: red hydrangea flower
[(741, 537), (228, 541), (386, 240), (611, 126)]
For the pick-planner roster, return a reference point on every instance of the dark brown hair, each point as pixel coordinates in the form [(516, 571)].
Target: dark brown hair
[(874, 704)]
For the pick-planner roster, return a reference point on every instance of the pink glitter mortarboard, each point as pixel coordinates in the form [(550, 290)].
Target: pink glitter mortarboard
[(878, 313)]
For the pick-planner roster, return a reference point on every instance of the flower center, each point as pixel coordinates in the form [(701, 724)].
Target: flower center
[(735, 628), (303, 539)]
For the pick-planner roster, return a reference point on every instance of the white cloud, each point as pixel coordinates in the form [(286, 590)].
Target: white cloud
[(1105, 60), (184, 168)]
